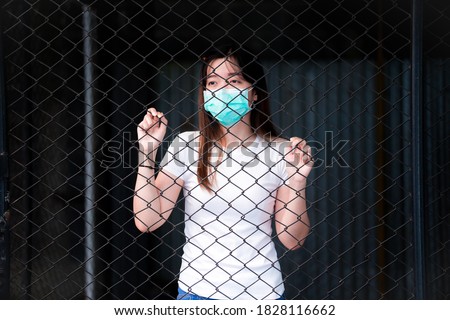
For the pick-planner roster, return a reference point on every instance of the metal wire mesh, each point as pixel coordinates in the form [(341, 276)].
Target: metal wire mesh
[(80, 75)]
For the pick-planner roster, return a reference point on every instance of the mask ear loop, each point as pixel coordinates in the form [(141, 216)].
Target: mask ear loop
[(255, 98)]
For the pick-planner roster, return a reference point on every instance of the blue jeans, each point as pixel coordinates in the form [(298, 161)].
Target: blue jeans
[(182, 295)]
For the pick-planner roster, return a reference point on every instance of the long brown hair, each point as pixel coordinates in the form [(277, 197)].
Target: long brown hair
[(210, 133)]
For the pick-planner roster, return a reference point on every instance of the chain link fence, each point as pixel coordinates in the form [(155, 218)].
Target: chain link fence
[(79, 76)]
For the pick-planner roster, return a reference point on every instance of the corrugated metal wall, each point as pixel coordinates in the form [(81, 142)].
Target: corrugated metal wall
[(360, 210)]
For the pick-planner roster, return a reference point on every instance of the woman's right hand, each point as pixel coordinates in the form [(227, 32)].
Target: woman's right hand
[(151, 131)]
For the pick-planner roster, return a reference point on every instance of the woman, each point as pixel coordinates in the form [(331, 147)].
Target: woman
[(236, 177)]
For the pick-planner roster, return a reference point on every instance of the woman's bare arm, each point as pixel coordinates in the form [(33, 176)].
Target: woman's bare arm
[(155, 196)]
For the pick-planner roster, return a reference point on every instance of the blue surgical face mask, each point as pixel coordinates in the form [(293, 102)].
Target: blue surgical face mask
[(228, 106)]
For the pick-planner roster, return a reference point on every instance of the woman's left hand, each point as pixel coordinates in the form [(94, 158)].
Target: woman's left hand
[(299, 161)]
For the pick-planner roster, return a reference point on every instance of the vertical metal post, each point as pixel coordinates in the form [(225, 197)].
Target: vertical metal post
[(4, 228), (89, 174), (417, 149)]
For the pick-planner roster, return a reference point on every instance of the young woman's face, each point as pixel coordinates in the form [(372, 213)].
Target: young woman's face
[(226, 73)]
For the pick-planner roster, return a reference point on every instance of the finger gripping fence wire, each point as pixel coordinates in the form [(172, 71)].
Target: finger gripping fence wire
[(366, 97)]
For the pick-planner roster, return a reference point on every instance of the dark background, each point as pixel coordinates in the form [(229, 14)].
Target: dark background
[(340, 74)]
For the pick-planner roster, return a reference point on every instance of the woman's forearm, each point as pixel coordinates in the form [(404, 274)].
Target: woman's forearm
[(146, 200), (292, 219)]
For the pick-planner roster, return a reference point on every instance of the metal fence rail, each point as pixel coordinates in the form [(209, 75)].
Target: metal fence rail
[(365, 82)]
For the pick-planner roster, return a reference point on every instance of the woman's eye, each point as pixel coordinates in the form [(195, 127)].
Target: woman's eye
[(211, 83)]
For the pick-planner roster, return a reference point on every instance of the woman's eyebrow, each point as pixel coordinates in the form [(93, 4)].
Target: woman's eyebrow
[(233, 74), (230, 75)]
